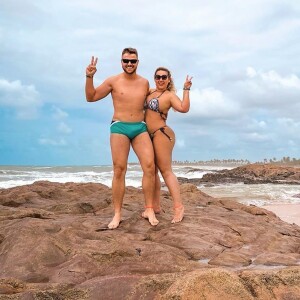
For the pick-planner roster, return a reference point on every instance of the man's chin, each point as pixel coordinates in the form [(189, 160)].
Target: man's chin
[(131, 71)]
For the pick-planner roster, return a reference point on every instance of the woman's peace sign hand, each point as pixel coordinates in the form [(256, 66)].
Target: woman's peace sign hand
[(188, 82)]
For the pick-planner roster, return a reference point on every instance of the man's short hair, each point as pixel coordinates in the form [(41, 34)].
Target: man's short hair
[(130, 51)]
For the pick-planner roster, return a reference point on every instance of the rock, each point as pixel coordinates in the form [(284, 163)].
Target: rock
[(54, 244), (249, 174), (254, 174)]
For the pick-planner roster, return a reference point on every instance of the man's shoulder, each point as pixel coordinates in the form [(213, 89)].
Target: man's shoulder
[(114, 77), (143, 79)]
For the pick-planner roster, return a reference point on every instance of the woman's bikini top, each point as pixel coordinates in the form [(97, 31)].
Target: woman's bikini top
[(153, 104)]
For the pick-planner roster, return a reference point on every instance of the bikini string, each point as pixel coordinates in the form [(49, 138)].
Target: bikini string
[(162, 129)]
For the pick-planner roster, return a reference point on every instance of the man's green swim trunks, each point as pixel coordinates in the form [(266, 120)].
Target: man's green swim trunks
[(130, 129)]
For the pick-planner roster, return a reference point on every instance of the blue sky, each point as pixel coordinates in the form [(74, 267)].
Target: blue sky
[(243, 55)]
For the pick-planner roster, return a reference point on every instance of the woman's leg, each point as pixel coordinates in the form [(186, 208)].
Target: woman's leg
[(163, 148), (156, 200)]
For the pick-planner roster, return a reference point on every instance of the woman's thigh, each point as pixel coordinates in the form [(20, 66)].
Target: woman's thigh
[(163, 148)]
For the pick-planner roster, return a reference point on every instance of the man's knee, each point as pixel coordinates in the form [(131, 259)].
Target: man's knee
[(119, 171)]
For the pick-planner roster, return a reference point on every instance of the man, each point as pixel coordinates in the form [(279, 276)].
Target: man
[(128, 91)]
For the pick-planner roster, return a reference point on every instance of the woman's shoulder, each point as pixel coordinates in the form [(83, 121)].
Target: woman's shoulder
[(169, 94)]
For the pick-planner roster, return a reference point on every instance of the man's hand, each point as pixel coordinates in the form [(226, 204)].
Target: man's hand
[(91, 68)]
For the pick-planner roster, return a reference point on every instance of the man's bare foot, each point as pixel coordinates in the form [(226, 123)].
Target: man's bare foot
[(150, 215), (115, 221), (178, 214)]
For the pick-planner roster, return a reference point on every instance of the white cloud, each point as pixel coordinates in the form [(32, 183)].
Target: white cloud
[(272, 78), (59, 113), (255, 124), (24, 99), (211, 103), (256, 137), (267, 91), (64, 128), (52, 142), (50, 46)]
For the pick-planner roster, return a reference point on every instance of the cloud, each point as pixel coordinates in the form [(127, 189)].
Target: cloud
[(243, 56), (58, 113), (256, 137), (266, 91), (24, 99), (212, 103), (273, 79), (52, 142), (64, 128)]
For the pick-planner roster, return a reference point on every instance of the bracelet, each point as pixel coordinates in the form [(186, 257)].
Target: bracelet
[(89, 76), (186, 89)]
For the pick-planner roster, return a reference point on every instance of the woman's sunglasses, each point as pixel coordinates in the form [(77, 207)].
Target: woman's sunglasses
[(132, 61), (159, 77)]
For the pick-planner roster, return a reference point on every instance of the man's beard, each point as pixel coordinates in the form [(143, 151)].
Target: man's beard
[(133, 70)]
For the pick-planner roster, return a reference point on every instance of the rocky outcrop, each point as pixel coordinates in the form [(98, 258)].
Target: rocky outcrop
[(250, 174), (54, 244)]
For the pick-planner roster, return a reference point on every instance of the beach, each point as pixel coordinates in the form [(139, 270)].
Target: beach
[(286, 212)]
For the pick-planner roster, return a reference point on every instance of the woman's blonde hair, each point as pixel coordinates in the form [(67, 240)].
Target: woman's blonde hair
[(171, 86)]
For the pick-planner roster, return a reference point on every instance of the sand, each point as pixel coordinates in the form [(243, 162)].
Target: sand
[(287, 212)]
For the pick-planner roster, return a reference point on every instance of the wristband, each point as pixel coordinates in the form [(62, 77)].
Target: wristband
[(186, 89), (89, 76)]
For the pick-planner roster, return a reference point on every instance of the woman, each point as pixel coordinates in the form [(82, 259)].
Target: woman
[(158, 103)]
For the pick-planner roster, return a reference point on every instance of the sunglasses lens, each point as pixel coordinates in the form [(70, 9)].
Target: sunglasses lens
[(126, 61), (163, 77)]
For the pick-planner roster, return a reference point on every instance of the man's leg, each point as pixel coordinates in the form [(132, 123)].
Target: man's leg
[(143, 148), (120, 146)]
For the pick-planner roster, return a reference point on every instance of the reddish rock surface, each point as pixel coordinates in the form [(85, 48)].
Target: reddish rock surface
[(54, 244), (251, 174)]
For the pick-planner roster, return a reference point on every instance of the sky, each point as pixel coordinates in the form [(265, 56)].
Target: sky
[(243, 56)]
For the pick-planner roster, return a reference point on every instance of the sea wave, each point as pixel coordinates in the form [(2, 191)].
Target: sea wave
[(258, 194)]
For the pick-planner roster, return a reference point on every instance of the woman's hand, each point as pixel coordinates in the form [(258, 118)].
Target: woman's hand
[(188, 83), (91, 68)]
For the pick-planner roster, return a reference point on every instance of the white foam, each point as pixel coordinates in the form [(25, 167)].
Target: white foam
[(256, 194)]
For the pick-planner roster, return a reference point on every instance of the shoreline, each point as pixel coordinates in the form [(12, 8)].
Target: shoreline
[(288, 212)]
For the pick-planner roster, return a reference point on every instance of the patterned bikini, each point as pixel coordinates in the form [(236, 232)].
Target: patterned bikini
[(153, 104)]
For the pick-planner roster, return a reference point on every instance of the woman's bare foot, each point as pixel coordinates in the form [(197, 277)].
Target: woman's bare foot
[(115, 221), (178, 214), (150, 215)]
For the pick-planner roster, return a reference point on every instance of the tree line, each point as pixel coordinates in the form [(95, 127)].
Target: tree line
[(286, 160)]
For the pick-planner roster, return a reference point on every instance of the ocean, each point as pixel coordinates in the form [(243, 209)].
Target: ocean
[(257, 194)]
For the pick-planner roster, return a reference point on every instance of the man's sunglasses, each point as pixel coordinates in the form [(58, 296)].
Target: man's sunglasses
[(126, 61), (163, 77)]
